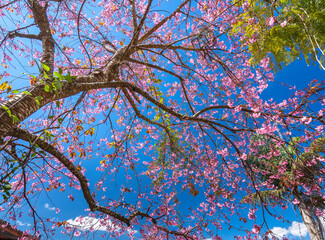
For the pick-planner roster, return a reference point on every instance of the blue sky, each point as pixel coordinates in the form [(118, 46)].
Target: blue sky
[(295, 74)]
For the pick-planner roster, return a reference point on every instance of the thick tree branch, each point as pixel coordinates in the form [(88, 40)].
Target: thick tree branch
[(42, 22), (29, 137), (134, 15), (26, 136), (23, 105), (23, 35)]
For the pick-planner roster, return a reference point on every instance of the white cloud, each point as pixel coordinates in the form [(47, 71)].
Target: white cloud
[(47, 206), (279, 231), (297, 229), (19, 223), (91, 223)]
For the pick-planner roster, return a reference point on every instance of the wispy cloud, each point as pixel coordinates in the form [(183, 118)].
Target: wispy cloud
[(297, 229), (47, 206), (20, 223), (87, 223)]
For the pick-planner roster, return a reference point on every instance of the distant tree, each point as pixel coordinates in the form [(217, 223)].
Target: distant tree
[(287, 29), (290, 176)]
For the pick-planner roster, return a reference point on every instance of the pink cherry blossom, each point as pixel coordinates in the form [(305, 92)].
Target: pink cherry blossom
[(284, 23)]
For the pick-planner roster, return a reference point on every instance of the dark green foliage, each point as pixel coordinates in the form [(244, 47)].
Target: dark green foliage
[(297, 160), (298, 31), (266, 196)]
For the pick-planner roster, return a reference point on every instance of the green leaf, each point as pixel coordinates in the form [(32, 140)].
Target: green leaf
[(27, 93), (7, 109), (15, 119), (68, 77), (7, 187), (15, 91), (57, 104), (45, 67), (39, 98), (46, 76), (37, 102), (47, 88), (59, 75), (5, 197), (57, 85), (13, 160)]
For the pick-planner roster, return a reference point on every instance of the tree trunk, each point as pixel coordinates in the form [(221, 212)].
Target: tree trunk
[(312, 222)]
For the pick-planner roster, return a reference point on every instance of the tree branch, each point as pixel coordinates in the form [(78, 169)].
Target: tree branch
[(42, 22), (138, 29), (29, 137), (134, 15), (23, 35), (26, 136), (23, 105), (162, 22), (9, 3)]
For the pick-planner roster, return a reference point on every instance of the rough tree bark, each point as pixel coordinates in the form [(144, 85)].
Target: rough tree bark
[(312, 222)]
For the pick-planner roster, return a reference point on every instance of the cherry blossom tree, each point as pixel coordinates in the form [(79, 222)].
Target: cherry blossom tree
[(155, 92)]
